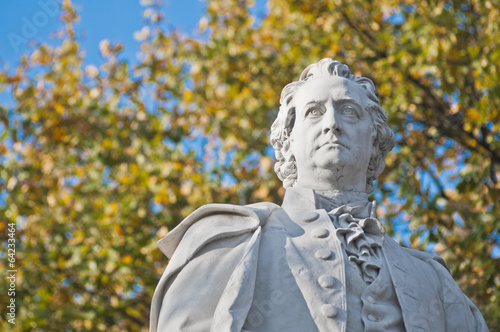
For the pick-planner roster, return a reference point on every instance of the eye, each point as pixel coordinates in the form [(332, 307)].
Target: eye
[(314, 111), (349, 110)]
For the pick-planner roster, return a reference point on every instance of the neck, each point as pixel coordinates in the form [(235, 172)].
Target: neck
[(338, 179)]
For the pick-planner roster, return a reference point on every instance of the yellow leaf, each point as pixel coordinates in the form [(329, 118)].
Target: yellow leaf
[(59, 108), (60, 262), (112, 208), (107, 143), (473, 114), (134, 169), (127, 259), (117, 228), (187, 95)]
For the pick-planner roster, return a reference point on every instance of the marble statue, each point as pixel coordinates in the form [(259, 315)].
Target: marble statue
[(322, 260)]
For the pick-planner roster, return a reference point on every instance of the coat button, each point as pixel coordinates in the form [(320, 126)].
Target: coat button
[(370, 299), (326, 281), (329, 310), (372, 318), (320, 232), (310, 216), (323, 254)]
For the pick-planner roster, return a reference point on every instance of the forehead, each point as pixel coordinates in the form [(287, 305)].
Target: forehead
[(330, 87)]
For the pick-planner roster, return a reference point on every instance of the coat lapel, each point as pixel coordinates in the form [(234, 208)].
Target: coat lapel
[(415, 286)]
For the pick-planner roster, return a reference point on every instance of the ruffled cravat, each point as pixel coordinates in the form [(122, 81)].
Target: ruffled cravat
[(357, 228), (362, 237)]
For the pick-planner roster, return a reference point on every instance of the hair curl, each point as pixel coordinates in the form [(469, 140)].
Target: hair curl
[(286, 167)]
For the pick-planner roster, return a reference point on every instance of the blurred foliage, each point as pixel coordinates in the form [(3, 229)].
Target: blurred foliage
[(98, 162)]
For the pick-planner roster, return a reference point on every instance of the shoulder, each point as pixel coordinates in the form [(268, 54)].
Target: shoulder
[(460, 312), (428, 257), (410, 255), (212, 222), (211, 241)]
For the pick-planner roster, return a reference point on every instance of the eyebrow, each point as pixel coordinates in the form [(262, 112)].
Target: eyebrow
[(342, 101), (316, 102), (348, 100), (339, 101)]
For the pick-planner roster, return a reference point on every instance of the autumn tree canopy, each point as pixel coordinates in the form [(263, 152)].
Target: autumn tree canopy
[(99, 161)]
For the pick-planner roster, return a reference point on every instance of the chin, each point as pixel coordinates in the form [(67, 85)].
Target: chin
[(340, 164), (333, 159), (334, 165)]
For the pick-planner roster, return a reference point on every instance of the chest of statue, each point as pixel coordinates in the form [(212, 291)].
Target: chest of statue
[(305, 282)]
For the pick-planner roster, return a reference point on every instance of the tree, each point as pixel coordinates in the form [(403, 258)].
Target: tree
[(99, 163)]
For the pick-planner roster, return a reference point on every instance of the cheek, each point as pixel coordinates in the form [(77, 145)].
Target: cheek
[(364, 140), (364, 134)]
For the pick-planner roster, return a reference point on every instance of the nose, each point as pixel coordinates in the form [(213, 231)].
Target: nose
[(331, 123)]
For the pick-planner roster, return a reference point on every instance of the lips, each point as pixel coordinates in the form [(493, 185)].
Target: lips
[(334, 143)]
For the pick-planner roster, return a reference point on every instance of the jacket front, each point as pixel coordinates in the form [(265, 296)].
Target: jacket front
[(266, 268)]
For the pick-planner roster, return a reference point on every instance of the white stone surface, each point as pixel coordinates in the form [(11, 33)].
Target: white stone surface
[(321, 261), (333, 134)]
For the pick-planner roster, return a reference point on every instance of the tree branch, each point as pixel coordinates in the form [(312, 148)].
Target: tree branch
[(368, 38), (459, 134)]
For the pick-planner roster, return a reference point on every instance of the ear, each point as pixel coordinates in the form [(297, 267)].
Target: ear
[(290, 122), (375, 151)]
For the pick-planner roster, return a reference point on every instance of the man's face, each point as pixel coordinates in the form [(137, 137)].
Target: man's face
[(332, 136)]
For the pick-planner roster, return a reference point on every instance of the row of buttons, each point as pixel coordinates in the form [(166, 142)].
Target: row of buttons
[(328, 281), (325, 281), (371, 317)]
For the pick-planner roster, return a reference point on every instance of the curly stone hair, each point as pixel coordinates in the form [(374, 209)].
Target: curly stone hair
[(286, 167)]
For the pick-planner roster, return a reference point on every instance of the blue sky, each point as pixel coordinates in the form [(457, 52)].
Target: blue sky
[(28, 21)]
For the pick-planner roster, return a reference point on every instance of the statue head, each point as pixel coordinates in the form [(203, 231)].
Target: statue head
[(330, 132)]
